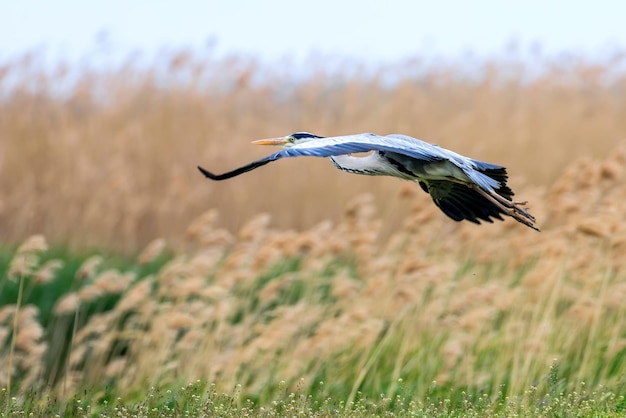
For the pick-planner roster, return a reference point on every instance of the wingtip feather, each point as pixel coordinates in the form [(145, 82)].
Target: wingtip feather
[(206, 173)]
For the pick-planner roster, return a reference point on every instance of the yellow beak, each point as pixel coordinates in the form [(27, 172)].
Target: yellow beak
[(271, 141)]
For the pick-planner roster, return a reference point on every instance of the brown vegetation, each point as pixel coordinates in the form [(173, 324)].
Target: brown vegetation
[(107, 158), (458, 304)]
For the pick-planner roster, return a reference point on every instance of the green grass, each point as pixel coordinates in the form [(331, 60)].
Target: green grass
[(45, 296), (202, 399)]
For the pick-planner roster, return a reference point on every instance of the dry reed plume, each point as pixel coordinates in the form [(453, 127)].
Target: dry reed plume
[(107, 158), (458, 304)]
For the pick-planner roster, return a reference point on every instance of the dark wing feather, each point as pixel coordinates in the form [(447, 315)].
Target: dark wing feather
[(460, 202), (243, 169)]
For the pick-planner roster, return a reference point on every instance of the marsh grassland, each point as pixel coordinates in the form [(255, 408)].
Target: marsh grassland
[(129, 285)]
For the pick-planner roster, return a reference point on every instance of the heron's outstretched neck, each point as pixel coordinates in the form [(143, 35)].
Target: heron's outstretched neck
[(369, 165), (375, 164)]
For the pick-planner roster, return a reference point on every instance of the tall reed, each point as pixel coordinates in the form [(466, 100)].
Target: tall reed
[(97, 158)]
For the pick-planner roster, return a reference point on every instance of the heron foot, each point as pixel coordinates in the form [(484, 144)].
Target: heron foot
[(514, 209)]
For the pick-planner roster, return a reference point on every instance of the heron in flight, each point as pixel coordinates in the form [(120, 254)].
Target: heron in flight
[(463, 188)]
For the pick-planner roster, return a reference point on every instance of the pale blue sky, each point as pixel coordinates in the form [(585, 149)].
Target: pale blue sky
[(376, 30)]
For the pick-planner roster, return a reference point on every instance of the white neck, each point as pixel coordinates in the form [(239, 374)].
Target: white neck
[(371, 165)]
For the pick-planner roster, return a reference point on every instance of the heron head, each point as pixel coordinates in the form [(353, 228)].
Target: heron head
[(289, 140)]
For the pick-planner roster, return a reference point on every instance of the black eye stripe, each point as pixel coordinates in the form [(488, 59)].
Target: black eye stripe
[(300, 135)]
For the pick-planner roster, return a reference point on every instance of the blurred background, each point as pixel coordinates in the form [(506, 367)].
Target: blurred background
[(106, 109)]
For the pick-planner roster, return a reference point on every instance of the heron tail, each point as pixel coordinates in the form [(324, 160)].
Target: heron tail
[(497, 173)]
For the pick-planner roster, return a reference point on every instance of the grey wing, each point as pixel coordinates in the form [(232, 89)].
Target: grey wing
[(340, 145), (401, 144)]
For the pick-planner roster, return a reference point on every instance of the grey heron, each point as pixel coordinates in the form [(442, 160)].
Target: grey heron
[(463, 188)]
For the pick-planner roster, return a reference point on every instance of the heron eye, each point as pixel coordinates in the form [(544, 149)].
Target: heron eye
[(291, 139)]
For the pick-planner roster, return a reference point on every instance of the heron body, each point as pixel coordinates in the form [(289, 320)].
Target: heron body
[(463, 188)]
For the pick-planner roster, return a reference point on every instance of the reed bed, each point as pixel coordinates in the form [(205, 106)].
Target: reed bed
[(106, 158), (298, 278), (437, 307)]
